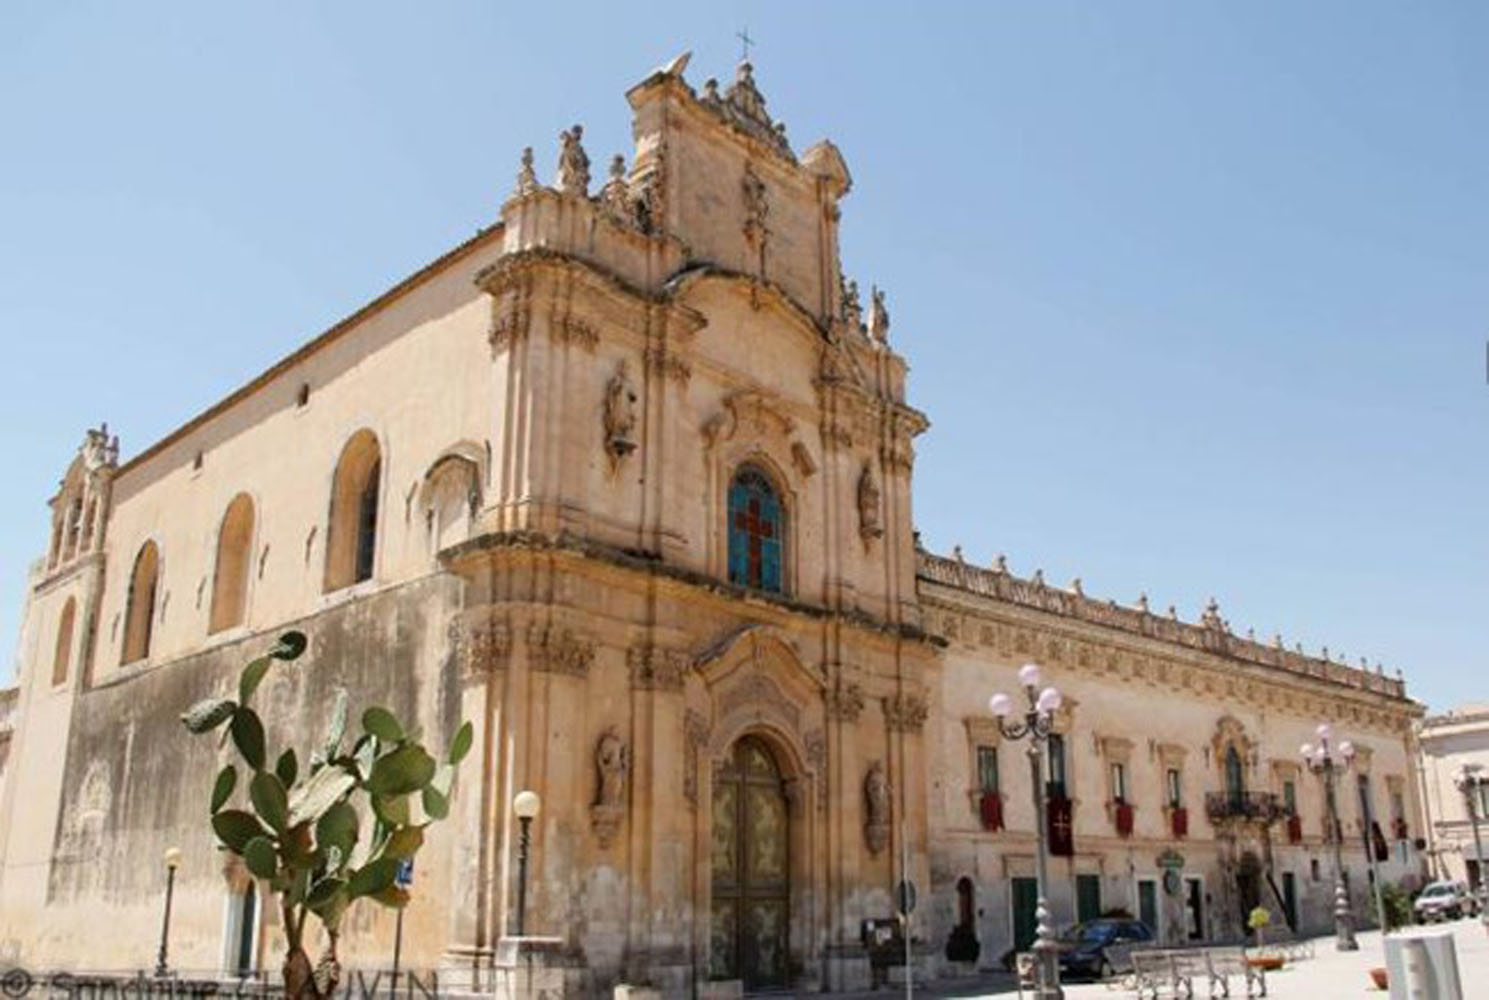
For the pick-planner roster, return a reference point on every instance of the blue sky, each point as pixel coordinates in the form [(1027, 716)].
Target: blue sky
[(1195, 294)]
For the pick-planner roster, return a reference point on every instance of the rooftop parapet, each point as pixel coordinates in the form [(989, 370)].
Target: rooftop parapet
[(1213, 634)]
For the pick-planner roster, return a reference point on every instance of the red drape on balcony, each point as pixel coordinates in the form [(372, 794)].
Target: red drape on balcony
[(992, 811), (1179, 820), (1124, 819), (1061, 828), (1295, 829)]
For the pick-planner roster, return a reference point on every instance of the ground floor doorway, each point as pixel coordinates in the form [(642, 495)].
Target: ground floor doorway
[(750, 864)]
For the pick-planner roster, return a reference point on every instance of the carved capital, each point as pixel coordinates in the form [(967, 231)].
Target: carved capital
[(905, 713), (844, 702), (655, 668), (573, 330), (556, 650), (480, 646)]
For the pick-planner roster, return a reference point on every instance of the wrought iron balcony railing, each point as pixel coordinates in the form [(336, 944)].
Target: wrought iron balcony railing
[(1258, 807)]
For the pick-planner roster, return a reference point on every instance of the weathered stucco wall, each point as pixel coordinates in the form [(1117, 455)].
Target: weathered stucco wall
[(135, 782)]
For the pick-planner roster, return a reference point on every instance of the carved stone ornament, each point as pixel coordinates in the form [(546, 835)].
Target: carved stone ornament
[(695, 736), (655, 668), (619, 415), (905, 713), (845, 701), (878, 316), (559, 651), (615, 196), (816, 753), (756, 206), (527, 177), (573, 163), (612, 762), (869, 524), (743, 106), (852, 308), (99, 449), (479, 647), (876, 800)]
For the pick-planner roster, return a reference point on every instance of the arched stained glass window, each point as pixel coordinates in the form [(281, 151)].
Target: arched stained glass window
[(757, 527)]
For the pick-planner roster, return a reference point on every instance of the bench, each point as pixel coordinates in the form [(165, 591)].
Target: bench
[(1174, 971), (1222, 963), (1154, 971)]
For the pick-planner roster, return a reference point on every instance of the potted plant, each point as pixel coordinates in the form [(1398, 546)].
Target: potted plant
[(1258, 920)]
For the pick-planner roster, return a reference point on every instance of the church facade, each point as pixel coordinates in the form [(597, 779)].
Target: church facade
[(625, 480)]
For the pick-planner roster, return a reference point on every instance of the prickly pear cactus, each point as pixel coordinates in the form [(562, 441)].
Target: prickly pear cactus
[(304, 833)]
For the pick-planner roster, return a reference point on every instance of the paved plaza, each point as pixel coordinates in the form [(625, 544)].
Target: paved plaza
[(1328, 975)]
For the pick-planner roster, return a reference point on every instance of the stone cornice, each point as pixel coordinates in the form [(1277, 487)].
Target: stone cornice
[(531, 541), (1092, 647), (1217, 641)]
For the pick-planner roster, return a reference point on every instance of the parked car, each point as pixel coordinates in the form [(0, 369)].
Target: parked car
[(1102, 947), (1444, 901)]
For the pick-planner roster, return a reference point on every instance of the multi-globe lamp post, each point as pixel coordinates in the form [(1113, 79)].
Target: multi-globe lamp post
[(1471, 782), (1329, 761), (1036, 724)]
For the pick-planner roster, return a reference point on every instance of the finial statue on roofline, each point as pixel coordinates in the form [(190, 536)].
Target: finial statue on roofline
[(878, 315), (573, 163), (527, 177)]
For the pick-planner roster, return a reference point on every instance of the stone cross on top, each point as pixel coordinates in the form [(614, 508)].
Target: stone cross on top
[(745, 41)]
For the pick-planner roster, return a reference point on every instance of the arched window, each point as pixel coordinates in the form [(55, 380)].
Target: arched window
[(1235, 775), (230, 575), (62, 659), (351, 542), (757, 528), (139, 614)]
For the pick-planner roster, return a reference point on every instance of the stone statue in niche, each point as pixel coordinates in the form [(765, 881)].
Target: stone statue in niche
[(573, 163), (878, 315), (869, 525), (756, 205), (876, 807), (612, 762), (620, 415)]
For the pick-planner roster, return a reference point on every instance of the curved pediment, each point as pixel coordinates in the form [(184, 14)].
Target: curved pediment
[(761, 647)]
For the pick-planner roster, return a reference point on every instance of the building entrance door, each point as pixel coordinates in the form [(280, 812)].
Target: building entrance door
[(1025, 903), (1147, 906), (749, 932)]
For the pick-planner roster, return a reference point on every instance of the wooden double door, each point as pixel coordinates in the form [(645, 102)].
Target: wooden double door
[(749, 934)]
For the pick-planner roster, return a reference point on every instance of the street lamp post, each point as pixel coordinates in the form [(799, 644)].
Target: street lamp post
[(1471, 783), (1036, 724), (525, 805), (172, 862), (1321, 760)]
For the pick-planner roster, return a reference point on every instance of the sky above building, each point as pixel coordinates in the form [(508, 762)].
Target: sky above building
[(1195, 295)]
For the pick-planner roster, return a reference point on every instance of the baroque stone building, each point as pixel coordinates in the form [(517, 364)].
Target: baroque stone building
[(625, 479), (1450, 743)]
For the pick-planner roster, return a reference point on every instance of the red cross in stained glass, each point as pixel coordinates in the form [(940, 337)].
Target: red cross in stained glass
[(755, 529)]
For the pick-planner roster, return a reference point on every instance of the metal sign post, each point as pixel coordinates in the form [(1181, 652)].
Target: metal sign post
[(905, 897), (403, 879)]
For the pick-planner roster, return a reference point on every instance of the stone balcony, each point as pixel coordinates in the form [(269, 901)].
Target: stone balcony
[(1245, 807)]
